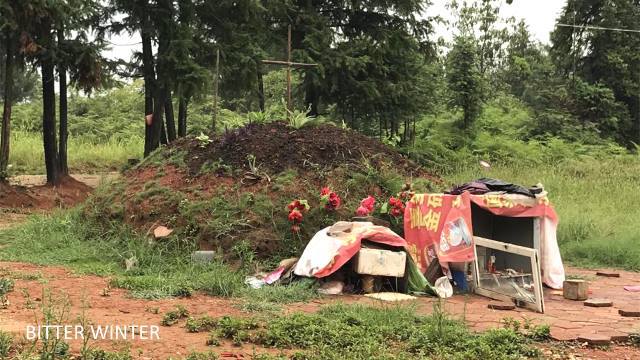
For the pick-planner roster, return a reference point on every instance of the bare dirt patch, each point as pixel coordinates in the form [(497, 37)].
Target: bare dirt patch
[(27, 193), (120, 309)]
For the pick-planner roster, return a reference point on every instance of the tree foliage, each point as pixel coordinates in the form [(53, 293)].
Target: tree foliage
[(466, 84), (596, 50)]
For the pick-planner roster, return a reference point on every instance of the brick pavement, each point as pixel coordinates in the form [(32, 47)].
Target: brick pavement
[(568, 319)]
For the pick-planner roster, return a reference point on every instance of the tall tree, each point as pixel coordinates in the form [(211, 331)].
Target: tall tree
[(7, 101), (62, 93), (592, 44), (464, 79), (368, 54), (47, 66), (480, 21), (14, 17)]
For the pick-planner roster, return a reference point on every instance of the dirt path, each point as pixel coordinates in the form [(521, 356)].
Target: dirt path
[(27, 194), (92, 180), (119, 309), (8, 219), (115, 309)]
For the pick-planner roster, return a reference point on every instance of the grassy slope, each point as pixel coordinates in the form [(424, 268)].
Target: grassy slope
[(596, 200)]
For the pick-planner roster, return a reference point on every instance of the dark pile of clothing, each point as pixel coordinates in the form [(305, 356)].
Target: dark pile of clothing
[(486, 185)]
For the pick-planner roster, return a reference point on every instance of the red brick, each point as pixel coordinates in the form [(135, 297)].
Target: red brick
[(501, 306), (608, 274), (598, 303), (629, 312), (562, 335), (595, 339)]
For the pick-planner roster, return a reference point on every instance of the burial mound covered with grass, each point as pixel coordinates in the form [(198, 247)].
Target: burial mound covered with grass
[(229, 192)]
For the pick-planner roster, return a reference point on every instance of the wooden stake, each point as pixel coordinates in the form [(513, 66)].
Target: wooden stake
[(289, 110)]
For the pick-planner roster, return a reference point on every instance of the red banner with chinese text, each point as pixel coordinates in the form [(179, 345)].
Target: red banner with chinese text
[(439, 226), (516, 205)]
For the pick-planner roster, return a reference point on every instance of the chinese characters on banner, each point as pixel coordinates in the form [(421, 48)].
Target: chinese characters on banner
[(439, 226)]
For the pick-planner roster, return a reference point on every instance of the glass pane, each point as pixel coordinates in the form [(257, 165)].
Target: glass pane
[(506, 273)]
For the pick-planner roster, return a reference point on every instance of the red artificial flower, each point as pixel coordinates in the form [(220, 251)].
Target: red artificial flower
[(300, 205), (395, 212), (330, 199), (295, 216), (368, 203), (295, 228), (362, 211), (333, 202), (295, 204), (397, 207)]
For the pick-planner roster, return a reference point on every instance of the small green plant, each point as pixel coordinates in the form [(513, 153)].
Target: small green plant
[(203, 140), (213, 339), (55, 311), (152, 309), (173, 316), (528, 329), (244, 252), (202, 356), (6, 286), (539, 333), (28, 302), (6, 343), (257, 306), (204, 323), (98, 354), (235, 329)]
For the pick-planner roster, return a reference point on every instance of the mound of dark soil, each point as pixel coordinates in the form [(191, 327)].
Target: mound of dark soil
[(45, 197), (277, 146), (199, 187)]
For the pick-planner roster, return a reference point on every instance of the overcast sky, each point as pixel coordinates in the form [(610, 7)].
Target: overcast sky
[(540, 15)]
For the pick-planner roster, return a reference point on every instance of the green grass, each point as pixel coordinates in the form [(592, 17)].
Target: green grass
[(363, 332), (163, 269), (27, 154), (596, 201)]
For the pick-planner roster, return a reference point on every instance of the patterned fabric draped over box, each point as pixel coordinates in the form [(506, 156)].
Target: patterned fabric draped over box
[(439, 226)]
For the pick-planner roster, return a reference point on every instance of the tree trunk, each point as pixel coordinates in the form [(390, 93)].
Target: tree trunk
[(160, 96), (260, 88), (311, 100), (171, 122), (182, 117), (6, 111), (163, 135), (150, 142), (62, 144), (49, 108)]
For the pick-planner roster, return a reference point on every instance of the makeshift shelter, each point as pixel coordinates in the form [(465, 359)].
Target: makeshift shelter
[(510, 238), (332, 247)]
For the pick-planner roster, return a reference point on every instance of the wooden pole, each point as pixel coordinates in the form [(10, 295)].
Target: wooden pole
[(289, 110), (215, 92)]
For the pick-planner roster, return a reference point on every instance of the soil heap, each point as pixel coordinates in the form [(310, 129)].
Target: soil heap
[(229, 192)]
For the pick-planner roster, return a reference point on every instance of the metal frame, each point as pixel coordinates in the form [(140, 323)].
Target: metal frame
[(514, 249)]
